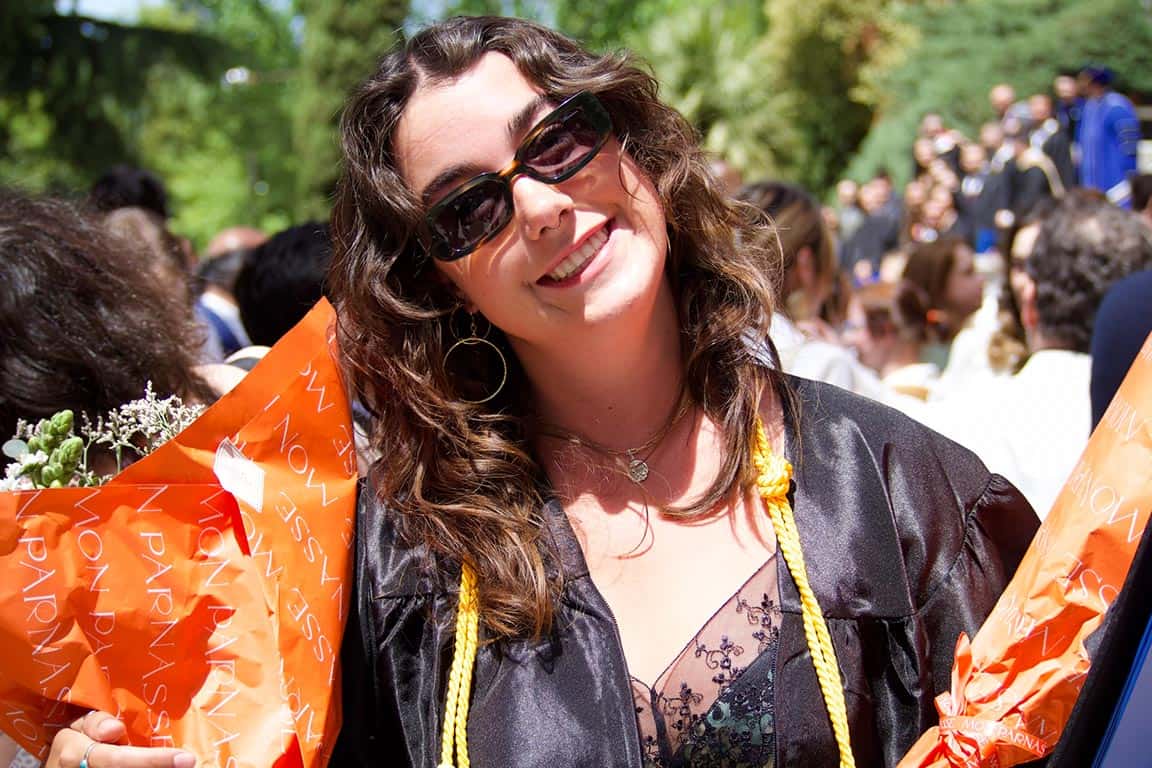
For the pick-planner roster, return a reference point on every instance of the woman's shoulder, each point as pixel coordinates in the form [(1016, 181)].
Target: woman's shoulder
[(833, 426), (896, 502), (387, 565)]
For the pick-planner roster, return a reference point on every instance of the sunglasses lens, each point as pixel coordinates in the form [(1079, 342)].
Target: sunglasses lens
[(558, 148), (466, 218), (565, 144)]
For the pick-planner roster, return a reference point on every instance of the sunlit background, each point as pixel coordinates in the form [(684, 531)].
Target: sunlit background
[(234, 102)]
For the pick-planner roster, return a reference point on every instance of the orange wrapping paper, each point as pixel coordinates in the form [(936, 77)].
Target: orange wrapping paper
[(1014, 685), (201, 594)]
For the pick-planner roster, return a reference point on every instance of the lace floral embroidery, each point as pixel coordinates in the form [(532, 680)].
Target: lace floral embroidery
[(713, 706)]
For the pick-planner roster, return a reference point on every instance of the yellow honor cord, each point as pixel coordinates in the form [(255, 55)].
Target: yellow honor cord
[(773, 477), (455, 736)]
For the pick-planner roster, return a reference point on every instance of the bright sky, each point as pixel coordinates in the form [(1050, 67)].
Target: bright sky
[(116, 10)]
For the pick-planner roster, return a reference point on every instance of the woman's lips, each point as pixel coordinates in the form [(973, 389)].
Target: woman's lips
[(569, 271)]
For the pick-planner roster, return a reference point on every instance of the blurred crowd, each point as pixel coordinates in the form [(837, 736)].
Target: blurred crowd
[(998, 297), (1001, 295), (1082, 134)]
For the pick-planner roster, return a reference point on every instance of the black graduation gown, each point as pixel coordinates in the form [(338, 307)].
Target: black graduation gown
[(908, 538)]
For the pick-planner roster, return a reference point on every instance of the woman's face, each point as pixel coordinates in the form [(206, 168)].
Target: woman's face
[(603, 227), (964, 292)]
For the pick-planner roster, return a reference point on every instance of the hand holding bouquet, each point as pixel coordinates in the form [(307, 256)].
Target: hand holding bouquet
[(199, 593)]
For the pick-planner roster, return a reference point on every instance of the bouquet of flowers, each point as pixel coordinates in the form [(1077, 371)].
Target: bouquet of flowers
[(199, 593), (1015, 683), (50, 455)]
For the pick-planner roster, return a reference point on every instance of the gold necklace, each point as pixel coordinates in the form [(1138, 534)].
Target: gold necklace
[(636, 468)]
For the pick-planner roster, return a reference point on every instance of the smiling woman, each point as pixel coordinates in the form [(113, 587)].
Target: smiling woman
[(669, 552)]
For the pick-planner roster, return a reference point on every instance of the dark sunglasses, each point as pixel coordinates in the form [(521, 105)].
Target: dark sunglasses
[(560, 145)]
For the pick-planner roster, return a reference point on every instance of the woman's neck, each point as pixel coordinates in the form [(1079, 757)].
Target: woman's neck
[(615, 384)]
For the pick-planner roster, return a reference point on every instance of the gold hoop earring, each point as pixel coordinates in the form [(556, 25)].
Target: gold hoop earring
[(472, 341)]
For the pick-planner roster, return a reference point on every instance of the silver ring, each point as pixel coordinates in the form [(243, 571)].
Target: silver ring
[(88, 751)]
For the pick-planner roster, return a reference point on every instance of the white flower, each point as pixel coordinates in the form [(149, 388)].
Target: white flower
[(138, 428), (16, 473)]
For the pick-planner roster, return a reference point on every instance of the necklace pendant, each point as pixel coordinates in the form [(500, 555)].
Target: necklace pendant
[(637, 470)]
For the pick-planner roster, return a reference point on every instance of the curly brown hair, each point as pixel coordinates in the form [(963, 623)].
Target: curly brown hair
[(84, 323), (1084, 246), (461, 476)]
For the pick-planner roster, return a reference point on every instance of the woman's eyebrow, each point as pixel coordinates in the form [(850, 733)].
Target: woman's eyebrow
[(448, 176), (526, 117), (520, 123)]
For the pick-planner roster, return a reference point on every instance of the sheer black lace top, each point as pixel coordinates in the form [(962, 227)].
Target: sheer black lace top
[(713, 705)]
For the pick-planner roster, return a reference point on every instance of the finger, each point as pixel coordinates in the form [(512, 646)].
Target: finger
[(69, 748), (99, 726), (115, 756)]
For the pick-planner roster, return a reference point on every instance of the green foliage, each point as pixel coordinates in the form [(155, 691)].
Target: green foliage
[(959, 50), (611, 24), (47, 455), (773, 85), (70, 84), (225, 150), (710, 67), (342, 41), (793, 89), (814, 53)]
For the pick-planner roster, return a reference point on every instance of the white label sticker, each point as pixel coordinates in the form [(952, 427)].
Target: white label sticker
[(239, 475)]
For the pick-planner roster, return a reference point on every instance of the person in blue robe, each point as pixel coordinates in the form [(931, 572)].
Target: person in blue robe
[(1108, 134)]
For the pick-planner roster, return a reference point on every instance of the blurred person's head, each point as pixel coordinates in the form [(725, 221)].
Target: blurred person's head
[(847, 192), (915, 194), (124, 186), (1001, 97), (991, 137), (1040, 107), (1142, 195), (973, 157), (234, 239), (887, 324), (1082, 248), (219, 273), (875, 194), (809, 257), (1008, 347), (146, 230), (946, 272), (938, 205), (1065, 87), (1094, 80), (931, 125), (281, 280), (924, 152), (223, 258), (1016, 131), (942, 175), (83, 323)]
